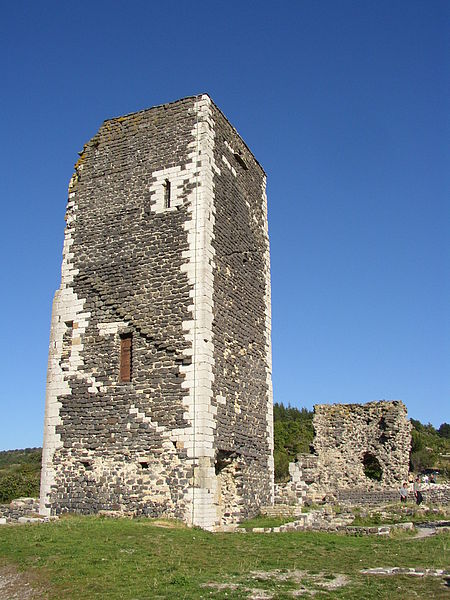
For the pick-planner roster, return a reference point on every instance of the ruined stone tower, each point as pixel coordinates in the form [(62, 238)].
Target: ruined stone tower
[(159, 396)]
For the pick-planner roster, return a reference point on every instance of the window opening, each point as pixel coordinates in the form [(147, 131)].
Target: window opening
[(240, 160), (167, 194), (66, 345), (372, 467), (224, 459), (144, 465), (125, 357)]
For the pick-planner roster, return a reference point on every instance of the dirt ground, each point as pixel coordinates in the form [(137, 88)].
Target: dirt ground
[(17, 585)]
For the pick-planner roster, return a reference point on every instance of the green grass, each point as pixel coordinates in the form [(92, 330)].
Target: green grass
[(89, 558), (397, 515)]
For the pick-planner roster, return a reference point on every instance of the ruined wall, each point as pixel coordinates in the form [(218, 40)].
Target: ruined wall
[(361, 453), (348, 436), (140, 261)]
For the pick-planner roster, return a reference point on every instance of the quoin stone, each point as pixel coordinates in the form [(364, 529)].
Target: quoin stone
[(159, 393)]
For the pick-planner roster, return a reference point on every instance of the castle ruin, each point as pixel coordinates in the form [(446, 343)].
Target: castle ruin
[(362, 444), (359, 451), (159, 394)]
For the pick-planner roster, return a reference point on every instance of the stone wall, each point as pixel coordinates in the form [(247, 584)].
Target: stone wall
[(302, 473), (349, 438), (432, 494), (242, 389), (347, 434), (19, 509), (166, 241)]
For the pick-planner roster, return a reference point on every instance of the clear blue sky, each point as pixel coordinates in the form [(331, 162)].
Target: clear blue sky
[(344, 103)]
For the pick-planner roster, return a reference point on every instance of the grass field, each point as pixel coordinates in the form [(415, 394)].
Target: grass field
[(92, 558)]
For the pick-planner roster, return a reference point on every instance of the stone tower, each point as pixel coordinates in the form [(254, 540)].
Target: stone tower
[(159, 395)]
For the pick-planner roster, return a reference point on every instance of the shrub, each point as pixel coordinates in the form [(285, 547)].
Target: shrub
[(372, 468), (16, 485)]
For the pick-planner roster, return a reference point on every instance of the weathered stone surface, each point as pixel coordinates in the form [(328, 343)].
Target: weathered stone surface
[(19, 508), (436, 494), (166, 240), (346, 437), (346, 433), (406, 571), (30, 520)]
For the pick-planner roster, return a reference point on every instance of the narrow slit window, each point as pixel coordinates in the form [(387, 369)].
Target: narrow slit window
[(125, 357), (240, 160), (66, 345), (167, 194)]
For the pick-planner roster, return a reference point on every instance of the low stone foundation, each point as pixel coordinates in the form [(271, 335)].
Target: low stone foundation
[(19, 509), (432, 494), (378, 529), (282, 510), (308, 523)]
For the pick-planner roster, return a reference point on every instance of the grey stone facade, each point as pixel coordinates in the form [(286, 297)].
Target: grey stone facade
[(166, 241)]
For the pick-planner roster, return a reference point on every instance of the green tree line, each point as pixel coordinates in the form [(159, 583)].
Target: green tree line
[(293, 434), (430, 447)]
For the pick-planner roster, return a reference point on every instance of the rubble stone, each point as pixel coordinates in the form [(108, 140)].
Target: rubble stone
[(348, 438), (347, 433)]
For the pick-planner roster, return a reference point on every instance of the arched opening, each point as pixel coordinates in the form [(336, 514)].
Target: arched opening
[(372, 467)]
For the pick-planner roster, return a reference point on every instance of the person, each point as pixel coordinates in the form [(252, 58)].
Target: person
[(404, 492), (425, 478), (417, 492), (432, 478)]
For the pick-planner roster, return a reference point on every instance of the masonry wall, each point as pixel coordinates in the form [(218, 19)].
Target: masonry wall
[(165, 443), (241, 326), (347, 434), (432, 494)]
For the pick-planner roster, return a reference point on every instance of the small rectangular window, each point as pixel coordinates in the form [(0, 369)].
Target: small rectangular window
[(167, 194), (125, 357)]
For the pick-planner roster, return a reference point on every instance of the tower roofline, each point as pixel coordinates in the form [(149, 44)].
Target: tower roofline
[(193, 97)]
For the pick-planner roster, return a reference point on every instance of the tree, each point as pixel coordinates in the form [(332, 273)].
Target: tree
[(293, 434), (444, 431)]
